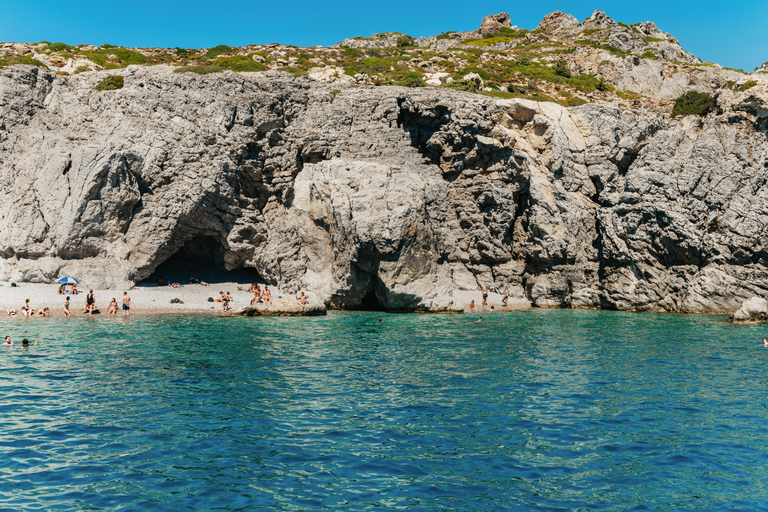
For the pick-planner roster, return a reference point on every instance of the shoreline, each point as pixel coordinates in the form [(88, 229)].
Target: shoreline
[(156, 300)]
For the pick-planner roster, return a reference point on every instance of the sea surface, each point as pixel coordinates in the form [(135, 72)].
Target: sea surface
[(540, 410)]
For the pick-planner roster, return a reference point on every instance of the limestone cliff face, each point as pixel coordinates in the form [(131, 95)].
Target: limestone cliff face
[(412, 194)]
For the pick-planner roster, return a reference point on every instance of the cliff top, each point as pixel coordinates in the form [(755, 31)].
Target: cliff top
[(597, 60)]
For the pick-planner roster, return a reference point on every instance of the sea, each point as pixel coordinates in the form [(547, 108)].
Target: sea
[(554, 410)]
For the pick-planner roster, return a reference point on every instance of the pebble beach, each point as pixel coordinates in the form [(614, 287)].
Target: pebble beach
[(145, 299)]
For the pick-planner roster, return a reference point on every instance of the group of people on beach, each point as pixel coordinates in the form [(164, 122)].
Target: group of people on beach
[(260, 295), (90, 305), (63, 289), (504, 300), (26, 310)]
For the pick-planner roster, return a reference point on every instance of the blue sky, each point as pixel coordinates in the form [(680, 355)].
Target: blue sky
[(732, 34)]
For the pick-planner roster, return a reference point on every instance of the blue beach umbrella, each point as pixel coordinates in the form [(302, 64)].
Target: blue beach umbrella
[(68, 280)]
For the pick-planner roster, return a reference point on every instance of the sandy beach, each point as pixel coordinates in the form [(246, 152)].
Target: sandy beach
[(152, 299), (145, 298)]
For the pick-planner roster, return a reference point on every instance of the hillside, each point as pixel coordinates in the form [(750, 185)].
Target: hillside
[(563, 60)]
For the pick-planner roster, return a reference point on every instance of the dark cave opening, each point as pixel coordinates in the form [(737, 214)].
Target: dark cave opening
[(201, 258), (370, 302)]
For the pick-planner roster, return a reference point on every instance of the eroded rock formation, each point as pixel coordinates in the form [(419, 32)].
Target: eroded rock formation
[(412, 195)]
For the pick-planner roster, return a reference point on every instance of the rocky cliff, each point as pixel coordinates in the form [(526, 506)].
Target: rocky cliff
[(406, 195)]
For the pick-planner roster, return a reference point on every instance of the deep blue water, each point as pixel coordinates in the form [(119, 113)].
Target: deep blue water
[(542, 410)]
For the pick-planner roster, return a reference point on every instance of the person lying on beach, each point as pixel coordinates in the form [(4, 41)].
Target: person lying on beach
[(112, 309), (203, 283), (11, 312), (221, 297), (43, 312), (267, 296), (176, 285)]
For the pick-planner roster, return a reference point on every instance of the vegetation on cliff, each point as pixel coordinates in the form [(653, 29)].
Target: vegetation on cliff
[(562, 60)]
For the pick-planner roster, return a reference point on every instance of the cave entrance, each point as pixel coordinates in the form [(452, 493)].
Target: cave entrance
[(370, 302), (201, 258)]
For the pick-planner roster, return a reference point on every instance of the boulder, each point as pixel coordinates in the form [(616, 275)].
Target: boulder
[(557, 20), (752, 310), (491, 24), (599, 18), (474, 77)]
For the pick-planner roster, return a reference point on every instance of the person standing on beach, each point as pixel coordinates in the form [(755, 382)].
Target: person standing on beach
[(506, 297), (66, 307), (485, 295), (90, 303), (126, 304)]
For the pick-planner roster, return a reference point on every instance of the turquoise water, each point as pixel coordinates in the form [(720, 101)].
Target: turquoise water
[(547, 410)]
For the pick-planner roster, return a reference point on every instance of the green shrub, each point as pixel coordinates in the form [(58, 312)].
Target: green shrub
[(110, 83), (603, 87), (352, 52), (517, 89), (218, 50), (58, 47), (746, 86), (404, 40), (575, 102), (200, 70), (462, 85), (21, 59), (82, 69), (410, 79), (627, 95), (239, 63), (335, 92), (693, 103), (654, 39), (590, 31), (451, 34), (128, 57), (562, 70), (649, 55)]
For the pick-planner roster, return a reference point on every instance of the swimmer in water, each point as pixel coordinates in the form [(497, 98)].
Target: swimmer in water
[(765, 342), (8, 341), (479, 320), (25, 342)]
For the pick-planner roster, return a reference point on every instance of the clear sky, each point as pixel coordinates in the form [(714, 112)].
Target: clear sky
[(733, 34)]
